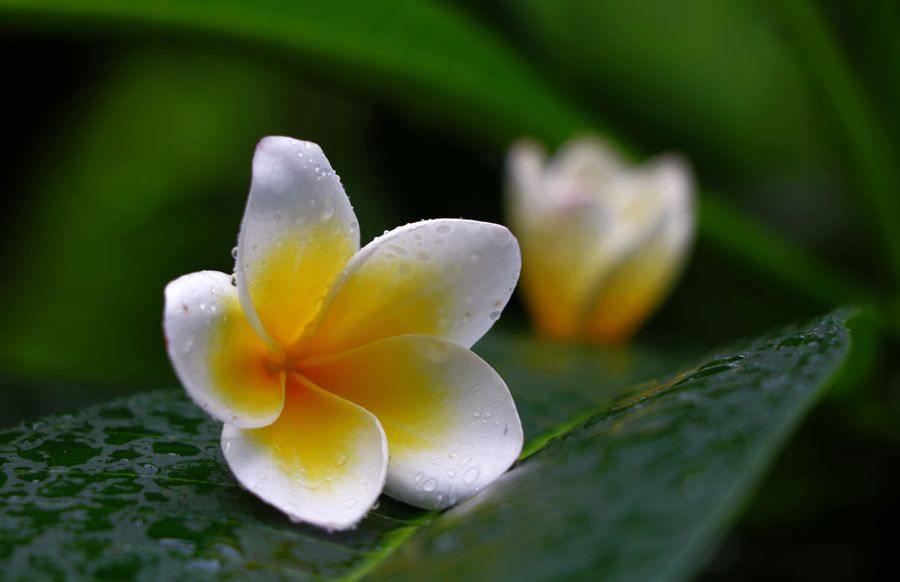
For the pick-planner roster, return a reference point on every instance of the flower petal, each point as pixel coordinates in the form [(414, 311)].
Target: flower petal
[(451, 424), (323, 461), (585, 159), (562, 230), (630, 290), (218, 357), (445, 278), (298, 232)]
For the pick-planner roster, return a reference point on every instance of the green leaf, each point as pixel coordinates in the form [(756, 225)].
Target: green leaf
[(639, 491), (628, 55), (554, 382), (870, 155), (138, 489), (408, 50)]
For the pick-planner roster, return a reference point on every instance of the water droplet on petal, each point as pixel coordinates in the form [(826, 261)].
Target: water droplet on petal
[(327, 208), (429, 484), (502, 237)]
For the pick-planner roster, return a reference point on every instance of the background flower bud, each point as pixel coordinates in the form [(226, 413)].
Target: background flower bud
[(602, 241)]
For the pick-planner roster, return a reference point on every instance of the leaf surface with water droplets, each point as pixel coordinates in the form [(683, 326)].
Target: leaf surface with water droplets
[(138, 489)]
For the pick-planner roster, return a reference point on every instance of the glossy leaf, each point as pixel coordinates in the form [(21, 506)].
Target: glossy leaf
[(639, 491), (138, 489)]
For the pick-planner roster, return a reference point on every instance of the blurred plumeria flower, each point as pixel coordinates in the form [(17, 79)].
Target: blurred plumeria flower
[(602, 241), (340, 371)]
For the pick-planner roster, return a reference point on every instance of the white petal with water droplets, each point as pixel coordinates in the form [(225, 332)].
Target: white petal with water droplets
[(217, 355), (446, 278), (322, 462), (297, 233), (451, 423)]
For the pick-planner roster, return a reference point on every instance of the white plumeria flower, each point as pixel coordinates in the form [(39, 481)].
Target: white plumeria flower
[(340, 371), (602, 241)]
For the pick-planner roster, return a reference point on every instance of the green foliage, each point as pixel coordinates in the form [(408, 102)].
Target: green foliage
[(138, 489), (434, 60)]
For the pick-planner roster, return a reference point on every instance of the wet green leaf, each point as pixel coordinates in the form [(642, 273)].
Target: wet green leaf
[(137, 489), (639, 491)]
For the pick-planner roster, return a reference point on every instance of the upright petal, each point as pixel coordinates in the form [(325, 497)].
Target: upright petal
[(445, 278), (586, 159), (218, 357), (561, 228), (451, 424), (298, 232), (630, 290), (322, 462)]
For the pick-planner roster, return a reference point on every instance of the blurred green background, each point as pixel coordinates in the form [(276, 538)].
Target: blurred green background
[(129, 129)]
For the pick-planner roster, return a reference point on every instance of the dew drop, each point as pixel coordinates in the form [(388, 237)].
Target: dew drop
[(443, 229), (327, 209), (494, 315), (429, 484), (471, 475), (234, 253), (502, 237), (341, 460), (425, 257)]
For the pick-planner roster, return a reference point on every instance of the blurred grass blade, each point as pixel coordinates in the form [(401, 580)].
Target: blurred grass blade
[(869, 150), (416, 52), (408, 49), (641, 490), (146, 183), (151, 154), (137, 488), (762, 250)]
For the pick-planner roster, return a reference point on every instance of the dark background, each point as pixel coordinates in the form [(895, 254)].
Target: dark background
[(126, 160)]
